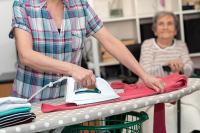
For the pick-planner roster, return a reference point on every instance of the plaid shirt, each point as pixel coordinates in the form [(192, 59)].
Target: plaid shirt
[(79, 22)]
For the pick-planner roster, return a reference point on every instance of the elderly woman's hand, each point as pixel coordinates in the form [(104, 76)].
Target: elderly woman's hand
[(154, 83), (176, 65)]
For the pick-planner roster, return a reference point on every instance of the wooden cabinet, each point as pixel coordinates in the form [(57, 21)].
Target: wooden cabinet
[(6, 82), (5, 89)]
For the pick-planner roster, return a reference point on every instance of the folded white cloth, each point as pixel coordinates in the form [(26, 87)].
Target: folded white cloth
[(7, 103), (12, 100), (6, 107)]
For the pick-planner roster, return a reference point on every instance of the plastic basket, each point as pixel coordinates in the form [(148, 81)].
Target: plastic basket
[(130, 122)]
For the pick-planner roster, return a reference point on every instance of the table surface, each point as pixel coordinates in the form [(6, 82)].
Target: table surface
[(46, 121)]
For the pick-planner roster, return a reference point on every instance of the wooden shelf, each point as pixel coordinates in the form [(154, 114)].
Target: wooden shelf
[(109, 62), (195, 55), (191, 11), (118, 19)]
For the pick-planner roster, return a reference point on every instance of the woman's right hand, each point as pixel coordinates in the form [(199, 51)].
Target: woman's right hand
[(84, 77)]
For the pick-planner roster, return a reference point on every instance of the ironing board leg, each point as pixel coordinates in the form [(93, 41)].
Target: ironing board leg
[(179, 116)]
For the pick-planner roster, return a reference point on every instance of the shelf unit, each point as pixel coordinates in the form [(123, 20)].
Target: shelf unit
[(128, 26)]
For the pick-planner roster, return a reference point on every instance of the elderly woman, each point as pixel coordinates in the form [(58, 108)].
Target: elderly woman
[(164, 51)]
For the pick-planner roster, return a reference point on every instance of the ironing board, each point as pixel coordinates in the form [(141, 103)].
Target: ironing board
[(46, 121)]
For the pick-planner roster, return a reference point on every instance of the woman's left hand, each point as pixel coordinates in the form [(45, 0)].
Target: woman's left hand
[(154, 83)]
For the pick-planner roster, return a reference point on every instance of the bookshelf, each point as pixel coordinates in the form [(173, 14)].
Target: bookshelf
[(128, 26)]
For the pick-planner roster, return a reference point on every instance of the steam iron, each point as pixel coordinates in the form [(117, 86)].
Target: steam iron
[(80, 96)]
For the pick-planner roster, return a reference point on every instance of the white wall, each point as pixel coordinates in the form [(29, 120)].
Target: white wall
[(7, 46)]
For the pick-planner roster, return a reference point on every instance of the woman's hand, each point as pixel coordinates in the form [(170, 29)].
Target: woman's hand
[(176, 65), (154, 83), (83, 76)]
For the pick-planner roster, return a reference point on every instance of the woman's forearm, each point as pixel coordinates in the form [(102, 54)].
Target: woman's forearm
[(119, 51), (43, 63)]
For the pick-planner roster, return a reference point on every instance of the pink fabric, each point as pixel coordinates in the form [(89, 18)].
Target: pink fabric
[(173, 82), (159, 118)]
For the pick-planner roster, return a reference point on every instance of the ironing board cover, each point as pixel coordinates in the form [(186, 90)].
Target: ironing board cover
[(47, 121)]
